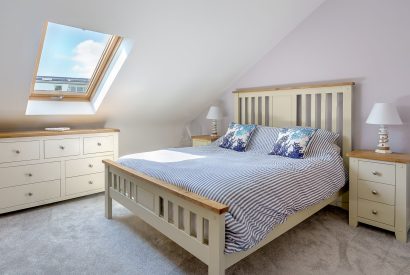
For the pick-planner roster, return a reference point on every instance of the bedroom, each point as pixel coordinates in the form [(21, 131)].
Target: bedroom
[(159, 68)]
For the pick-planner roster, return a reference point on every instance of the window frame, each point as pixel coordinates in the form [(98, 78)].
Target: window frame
[(96, 78)]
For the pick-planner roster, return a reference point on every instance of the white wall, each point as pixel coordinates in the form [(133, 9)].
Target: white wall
[(134, 136), (185, 54), (364, 41)]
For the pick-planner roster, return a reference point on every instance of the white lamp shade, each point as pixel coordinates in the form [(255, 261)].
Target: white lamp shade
[(214, 113), (384, 114)]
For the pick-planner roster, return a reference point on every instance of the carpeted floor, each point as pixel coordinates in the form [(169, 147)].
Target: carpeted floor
[(73, 237)]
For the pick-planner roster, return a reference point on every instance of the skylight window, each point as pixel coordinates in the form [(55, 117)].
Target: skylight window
[(72, 62)]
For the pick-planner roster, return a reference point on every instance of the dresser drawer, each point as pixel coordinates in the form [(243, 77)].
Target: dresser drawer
[(55, 148), (98, 144), (376, 211), (85, 183), (378, 192), (19, 151), (377, 172), (85, 166), (18, 195), (19, 175)]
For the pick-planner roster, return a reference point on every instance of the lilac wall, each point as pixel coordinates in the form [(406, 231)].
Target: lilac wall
[(364, 41)]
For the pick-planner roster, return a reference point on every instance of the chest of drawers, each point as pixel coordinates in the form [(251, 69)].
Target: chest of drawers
[(379, 191), (40, 167)]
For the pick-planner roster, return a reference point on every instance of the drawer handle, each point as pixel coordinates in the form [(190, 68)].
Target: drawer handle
[(17, 152), (374, 212), (29, 174), (90, 182), (374, 192), (62, 147), (30, 194), (90, 165), (99, 143), (375, 173)]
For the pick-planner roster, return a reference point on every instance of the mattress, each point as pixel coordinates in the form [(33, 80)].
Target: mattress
[(261, 190)]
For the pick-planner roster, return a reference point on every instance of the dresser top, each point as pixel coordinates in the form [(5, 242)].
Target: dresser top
[(19, 134), (366, 154)]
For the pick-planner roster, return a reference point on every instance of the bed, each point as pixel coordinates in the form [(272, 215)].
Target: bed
[(176, 190)]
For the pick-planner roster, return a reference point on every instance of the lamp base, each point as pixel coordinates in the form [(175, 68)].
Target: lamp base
[(383, 147), (214, 131)]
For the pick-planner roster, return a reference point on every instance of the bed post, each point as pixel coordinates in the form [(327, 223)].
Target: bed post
[(236, 115), (108, 199), (216, 264)]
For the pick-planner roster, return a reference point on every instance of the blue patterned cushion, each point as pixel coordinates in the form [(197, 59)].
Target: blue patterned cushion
[(237, 136), (293, 142)]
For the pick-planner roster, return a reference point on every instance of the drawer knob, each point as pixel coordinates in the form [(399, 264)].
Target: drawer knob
[(17, 152), (374, 212), (29, 174), (30, 194), (61, 147), (374, 192), (99, 143), (90, 182), (90, 165), (375, 173)]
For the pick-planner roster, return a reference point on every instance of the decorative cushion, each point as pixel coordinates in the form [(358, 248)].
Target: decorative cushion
[(293, 142), (237, 136)]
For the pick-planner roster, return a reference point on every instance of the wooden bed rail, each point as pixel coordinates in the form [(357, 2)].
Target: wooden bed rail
[(214, 206), (194, 222)]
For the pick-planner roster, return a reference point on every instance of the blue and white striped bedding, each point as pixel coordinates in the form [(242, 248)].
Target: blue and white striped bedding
[(261, 190)]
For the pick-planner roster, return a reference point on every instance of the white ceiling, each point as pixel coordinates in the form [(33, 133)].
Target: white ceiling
[(186, 52)]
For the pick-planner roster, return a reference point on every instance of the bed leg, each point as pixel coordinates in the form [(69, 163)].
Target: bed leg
[(108, 199), (216, 264)]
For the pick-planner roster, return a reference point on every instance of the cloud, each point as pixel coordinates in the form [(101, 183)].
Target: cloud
[(86, 56)]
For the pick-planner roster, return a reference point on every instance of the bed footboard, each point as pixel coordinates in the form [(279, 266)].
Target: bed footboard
[(193, 222)]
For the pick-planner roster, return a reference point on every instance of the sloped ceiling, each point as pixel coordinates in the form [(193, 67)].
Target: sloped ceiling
[(185, 53)]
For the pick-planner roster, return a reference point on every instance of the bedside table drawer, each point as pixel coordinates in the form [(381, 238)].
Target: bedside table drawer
[(377, 172), (376, 211), (377, 192)]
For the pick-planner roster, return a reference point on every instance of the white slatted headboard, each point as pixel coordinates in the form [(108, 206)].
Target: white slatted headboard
[(326, 106)]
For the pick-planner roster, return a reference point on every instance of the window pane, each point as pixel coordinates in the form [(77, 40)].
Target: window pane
[(69, 58)]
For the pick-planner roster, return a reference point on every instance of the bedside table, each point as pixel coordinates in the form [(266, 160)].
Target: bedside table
[(203, 140), (379, 191)]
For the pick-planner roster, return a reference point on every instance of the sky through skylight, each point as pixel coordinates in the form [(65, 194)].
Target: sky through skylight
[(71, 52)]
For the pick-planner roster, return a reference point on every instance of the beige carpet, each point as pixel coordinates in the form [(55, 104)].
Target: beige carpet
[(73, 237)]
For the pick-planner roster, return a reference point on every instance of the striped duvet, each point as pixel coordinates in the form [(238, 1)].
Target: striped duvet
[(261, 190)]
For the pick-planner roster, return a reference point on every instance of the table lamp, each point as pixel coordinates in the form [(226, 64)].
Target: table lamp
[(384, 114), (214, 113)]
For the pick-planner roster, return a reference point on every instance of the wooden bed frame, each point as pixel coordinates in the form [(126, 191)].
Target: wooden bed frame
[(198, 224)]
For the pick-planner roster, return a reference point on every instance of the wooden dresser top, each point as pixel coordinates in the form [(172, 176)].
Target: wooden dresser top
[(393, 157), (40, 133)]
